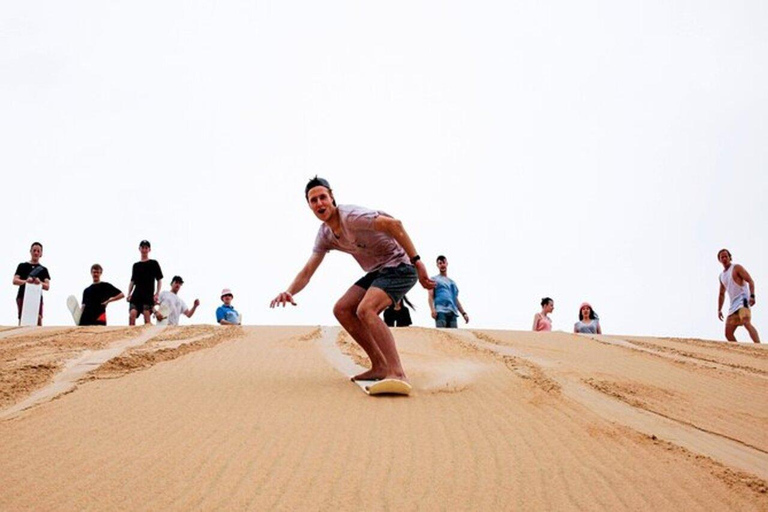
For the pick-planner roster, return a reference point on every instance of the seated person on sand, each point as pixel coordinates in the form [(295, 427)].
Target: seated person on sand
[(96, 297), (175, 305), (541, 320), (588, 323), (397, 315), (226, 314)]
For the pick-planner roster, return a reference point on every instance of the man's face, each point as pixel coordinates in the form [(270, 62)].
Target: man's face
[(36, 252), (320, 200), (176, 286), (96, 274), (724, 257), (144, 250), (442, 265), (227, 299)]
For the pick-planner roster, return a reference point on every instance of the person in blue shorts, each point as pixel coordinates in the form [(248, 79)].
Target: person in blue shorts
[(444, 299)]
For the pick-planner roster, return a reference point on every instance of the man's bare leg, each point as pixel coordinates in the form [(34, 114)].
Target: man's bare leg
[(752, 332), (132, 314), (147, 317), (375, 301), (345, 311), (730, 329)]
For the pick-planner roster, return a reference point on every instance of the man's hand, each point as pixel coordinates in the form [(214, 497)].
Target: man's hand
[(424, 279), (720, 315), (751, 301), (466, 317), (434, 315), (282, 299), (155, 299), (197, 302), (159, 315), (105, 302), (128, 298)]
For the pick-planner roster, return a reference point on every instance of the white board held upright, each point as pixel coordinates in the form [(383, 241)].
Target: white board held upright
[(30, 308)]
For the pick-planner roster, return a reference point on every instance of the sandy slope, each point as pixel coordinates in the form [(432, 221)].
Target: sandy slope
[(263, 418)]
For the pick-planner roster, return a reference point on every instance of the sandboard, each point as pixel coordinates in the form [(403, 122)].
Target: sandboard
[(384, 387), (30, 308), (165, 311), (74, 307)]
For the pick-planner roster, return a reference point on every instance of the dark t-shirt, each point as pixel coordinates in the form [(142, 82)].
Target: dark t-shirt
[(26, 270), (93, 296), (143, 276), (397, 318)]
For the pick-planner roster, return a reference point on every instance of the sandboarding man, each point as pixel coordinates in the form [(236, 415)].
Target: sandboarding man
[(96, 297), (142, 294), (226, 314), (31, 272), (175, 305), (384, 250), (444, 299), (741, 290)]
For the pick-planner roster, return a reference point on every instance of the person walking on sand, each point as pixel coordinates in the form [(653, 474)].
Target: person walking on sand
[(444, 298), (176, 306), (398, 315), (589, 322), (142, 294), (96, 297), (226, 313), (32, 272), (541, 320), (741, 290), (384, 250)]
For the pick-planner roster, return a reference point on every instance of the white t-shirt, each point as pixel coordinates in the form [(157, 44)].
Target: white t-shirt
[(176, 305)]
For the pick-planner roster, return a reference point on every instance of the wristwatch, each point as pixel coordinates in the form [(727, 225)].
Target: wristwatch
[(415, 259)]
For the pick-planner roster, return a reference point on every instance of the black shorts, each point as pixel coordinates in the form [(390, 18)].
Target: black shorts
[(141, 305), (395, 281)]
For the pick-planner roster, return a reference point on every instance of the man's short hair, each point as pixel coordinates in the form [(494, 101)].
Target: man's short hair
[(318, 182), (726, 251), (96, 266), (34, 244), (145, 243), (441, 258), (177, 279)]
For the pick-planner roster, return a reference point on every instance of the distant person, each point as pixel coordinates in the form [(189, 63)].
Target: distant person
[(32, 272), (96, 297), (385, 251), (142, 294), (542, 322), (741, 290), (589, 322), (226, 313), (398, 315), (176, 306), (444, 298)]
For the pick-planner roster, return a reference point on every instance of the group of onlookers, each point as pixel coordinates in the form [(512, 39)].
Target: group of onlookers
[(589, 322), (145, 297)]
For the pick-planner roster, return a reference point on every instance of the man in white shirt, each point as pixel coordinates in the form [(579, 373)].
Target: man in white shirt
[(175, 305)]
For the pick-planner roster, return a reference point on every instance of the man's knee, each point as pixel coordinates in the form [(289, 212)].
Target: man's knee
[(343, 311), (365, 312)]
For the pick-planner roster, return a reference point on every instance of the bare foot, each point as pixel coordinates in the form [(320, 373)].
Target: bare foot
[(372, 374)]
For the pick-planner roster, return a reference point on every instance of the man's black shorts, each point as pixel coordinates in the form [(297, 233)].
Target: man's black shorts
[(395, 281)]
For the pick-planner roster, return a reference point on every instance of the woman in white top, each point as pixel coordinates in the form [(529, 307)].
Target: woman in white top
[(588, 322)]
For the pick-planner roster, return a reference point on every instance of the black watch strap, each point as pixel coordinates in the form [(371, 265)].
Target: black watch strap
[(415, 259)]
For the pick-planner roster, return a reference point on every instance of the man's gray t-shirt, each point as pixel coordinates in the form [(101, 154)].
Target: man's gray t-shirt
[(372, 249)]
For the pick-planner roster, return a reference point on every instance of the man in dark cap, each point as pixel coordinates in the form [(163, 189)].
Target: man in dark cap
[(384, 250), (142, 295)]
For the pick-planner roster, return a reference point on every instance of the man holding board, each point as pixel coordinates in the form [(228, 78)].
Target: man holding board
[(33, 273)]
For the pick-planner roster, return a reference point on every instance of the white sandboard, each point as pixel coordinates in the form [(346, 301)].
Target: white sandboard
[(165, 311), (74, 307), (30, 308), (384, 387)]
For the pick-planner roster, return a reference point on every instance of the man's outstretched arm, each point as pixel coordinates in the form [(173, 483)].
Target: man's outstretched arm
[(396, 230), (300, 281)]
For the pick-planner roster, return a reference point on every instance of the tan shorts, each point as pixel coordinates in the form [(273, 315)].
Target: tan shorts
[(742, 316)]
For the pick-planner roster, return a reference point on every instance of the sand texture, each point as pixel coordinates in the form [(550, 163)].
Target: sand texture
[(264, 418)]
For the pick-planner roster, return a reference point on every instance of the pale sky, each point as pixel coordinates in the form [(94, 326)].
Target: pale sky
[(599, 151)]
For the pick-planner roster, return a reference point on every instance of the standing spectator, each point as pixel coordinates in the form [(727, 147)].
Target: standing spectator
[(444, 298), (398, 315), (587, 327), (541, 320), (142, 294), (96, 297), (31, 272)]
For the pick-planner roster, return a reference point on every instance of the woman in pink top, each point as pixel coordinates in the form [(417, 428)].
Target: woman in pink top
[(541, 322)]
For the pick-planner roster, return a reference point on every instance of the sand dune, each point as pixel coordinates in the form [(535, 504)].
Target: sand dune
[(262, 418)]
